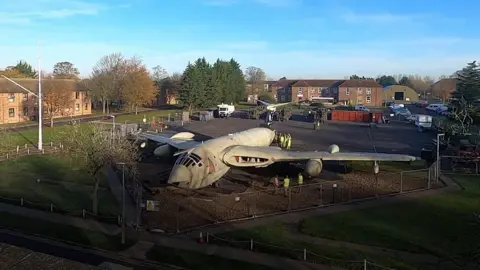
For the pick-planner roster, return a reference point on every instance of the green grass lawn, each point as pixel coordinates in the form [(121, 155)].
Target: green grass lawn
[(272, 239), (443, 225), (61, 183), (197, 261), (63, 232)]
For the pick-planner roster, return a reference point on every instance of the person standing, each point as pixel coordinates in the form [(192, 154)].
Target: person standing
[(275, 184), (300, 182), (286, 185)]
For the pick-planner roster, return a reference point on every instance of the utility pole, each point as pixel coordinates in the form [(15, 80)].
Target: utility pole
[(40, 104)]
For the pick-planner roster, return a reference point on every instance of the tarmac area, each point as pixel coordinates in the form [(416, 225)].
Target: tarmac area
[(245, 193)]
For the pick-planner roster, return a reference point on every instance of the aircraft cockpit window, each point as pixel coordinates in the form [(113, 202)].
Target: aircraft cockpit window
[(189, 160)]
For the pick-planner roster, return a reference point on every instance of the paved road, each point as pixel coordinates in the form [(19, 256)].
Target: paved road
[(82, 255)]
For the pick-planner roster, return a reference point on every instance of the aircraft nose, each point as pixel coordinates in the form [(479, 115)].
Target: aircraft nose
[(180, 174)]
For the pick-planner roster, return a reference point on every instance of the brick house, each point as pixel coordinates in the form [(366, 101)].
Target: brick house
[(443, 88), (302, 90), (17, 106), (356, 92)]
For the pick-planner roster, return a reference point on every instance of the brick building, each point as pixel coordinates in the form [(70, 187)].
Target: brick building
[(366, 92), (359, 92), (17, 106)]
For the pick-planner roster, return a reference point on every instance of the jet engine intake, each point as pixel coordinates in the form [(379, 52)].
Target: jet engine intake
[(313, 167), (163, 151), (332, 149)]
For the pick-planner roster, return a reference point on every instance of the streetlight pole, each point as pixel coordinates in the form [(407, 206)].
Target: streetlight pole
[(39, 96), (40, 110), (437, 174)]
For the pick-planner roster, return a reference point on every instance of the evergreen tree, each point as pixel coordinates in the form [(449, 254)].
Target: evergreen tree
[(238, 84), (26, 69), (206, 93), (188, 95), (468, 83), (221, 77)]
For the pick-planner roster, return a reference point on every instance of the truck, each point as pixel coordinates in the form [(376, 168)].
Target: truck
[(225, 110)]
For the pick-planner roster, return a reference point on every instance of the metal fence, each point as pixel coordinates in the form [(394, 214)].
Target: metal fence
[(294, 253), (180, 211), (460, 165)]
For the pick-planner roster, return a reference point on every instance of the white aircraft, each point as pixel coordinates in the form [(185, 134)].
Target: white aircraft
[(270, 107), (200, 164)]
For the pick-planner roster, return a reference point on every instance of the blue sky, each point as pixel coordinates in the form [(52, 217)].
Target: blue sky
[(292, 38)]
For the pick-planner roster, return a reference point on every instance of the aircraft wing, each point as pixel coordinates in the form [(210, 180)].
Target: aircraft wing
[(180, 141), (269, 155)]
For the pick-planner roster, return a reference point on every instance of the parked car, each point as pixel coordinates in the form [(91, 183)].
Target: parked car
[(412, 118), (434, 107), (361, 108), (403, 112)]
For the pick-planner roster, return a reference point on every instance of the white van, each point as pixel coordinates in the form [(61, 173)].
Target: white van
[(434, 107)]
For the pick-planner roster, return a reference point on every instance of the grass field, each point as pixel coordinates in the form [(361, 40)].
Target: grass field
[(63, 232), (192, 260), (61, 183), (52, 134), (443, 225)]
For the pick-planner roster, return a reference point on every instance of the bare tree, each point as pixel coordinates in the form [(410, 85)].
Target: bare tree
[(462, 113), (58, 97), (65, 70), (159, 74), (95, 148), (256, 78), (105, 78)]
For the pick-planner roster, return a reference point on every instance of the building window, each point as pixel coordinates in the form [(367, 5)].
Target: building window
[(265, 86), (300, 91), (369, 99), (25, 111), (25, 97), (312, 90), (347, 91), (369, 90), (77, 107), (282, 98), (319, 90), (11, 112), (11, 98), (77, 95), (327, 92), (86, 106), (359, 102), (359, 90)]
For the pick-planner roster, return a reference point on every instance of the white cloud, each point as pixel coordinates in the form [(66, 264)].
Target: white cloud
[(25, 13), (386, 17)]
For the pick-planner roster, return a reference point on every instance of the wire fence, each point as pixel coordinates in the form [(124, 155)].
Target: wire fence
[(183, 210), (51, 148), (467, 165), (304, 254)]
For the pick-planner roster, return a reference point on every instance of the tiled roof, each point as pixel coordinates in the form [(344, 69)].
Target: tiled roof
[(360, 83), (32, 85), (305, 83), (386, 88)]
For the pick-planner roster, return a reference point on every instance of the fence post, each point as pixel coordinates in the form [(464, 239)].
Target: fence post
[(83, 213), (28, 151), (321, 195), (26, 146), (251, 244), (18, 148), (206, 240), (21, 201), (429, 183), (7, 155), (51, 207), (365, 264), (401, 182), (43, 150), (51, 144), (304, 254)]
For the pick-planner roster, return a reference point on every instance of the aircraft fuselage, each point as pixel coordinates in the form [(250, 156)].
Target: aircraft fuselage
[(204, 165)]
